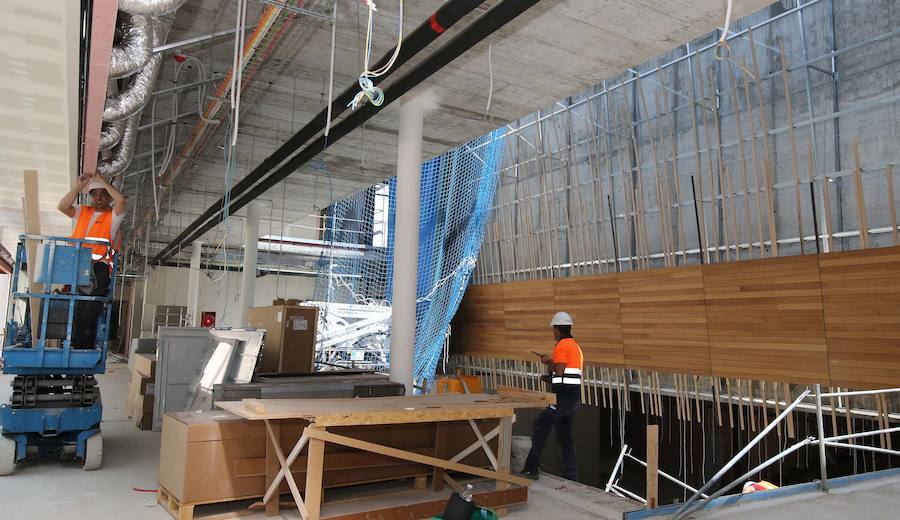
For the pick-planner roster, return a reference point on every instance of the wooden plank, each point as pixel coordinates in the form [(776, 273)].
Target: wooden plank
[(767, 166), (652, 466), (892, 204), (416, 457), (792, 134), (504, 453), (314, 472), (272, 467), (540, 399), (862, 218), (440, 450)]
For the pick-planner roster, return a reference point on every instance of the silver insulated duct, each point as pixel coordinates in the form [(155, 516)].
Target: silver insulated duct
[(124, 152), (151, 7), (132, 98), (111, 134), (135, 48)]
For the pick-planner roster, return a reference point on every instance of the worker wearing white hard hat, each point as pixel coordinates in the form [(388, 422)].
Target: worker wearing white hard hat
[(564, 365), (98, 221)]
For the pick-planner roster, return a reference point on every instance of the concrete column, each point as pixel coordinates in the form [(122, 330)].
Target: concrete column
[(248, 280), (406, 243), (193, 306)]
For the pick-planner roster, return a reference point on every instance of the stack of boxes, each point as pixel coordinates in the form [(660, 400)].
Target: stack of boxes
[(140, 398)]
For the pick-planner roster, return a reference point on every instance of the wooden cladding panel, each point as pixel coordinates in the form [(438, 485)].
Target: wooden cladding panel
[(832, 319), (765, 319), (593, 302), (861, 294), (479, 322), (664, 320), (527, 309)]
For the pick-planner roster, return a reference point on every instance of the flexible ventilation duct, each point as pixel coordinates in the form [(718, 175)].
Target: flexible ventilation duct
[(111, 134), (135, 48), (151, 7), (123, 153), (132, 99)]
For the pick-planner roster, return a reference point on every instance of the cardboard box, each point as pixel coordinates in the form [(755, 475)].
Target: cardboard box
[(140, 399), (145, 364), (216, 456), (290, 337)]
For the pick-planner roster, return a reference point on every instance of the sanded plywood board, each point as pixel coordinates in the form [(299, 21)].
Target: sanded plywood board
[(861, 295), (381, 410), (593, 302), (765, 319), (527, 310), (664, 320), (478, 325)]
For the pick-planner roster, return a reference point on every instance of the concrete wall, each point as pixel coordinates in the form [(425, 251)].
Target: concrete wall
[(567, 167), (220, 291)]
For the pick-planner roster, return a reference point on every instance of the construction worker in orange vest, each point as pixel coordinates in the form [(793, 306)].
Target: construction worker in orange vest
[(100, 221), (565, 364)]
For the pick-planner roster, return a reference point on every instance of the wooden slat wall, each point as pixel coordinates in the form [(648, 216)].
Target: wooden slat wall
[(765, 319), (831, 319), (593, 302), (480, 320), (664, 320), (861, 292), (527, 309)]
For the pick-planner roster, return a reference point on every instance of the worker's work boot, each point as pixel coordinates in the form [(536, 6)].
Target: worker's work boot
[(531, 475)]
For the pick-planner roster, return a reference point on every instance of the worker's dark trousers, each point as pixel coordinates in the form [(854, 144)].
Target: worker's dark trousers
[(559, 417)]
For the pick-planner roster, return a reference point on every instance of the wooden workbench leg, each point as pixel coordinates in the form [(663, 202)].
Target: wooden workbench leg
[(272, 468), (440, 451), (314, 470), (504, 453)]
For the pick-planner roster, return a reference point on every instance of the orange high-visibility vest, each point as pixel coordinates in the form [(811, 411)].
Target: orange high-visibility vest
[(569, 353), (99, 231)]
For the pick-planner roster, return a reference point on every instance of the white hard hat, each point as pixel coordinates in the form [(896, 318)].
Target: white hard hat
[(561, 319), (95, 185)]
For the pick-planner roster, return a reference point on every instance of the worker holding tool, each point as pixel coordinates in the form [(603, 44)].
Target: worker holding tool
[(565, 365), (99, 221)]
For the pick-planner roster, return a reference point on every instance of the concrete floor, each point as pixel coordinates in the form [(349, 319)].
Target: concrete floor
[(50, 490)]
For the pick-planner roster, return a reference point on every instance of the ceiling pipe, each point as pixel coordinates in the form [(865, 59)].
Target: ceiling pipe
[(123, 153), (150, 7), (486, 24), (135, 48), (427, 32)]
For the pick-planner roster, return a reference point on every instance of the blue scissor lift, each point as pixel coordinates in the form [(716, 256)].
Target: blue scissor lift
[(55, 407)]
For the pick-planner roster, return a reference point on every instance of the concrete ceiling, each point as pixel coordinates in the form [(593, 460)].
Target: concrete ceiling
[(39, 44), (556, 49)]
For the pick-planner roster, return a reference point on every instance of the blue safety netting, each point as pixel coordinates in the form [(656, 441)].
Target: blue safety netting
[(457, 189)]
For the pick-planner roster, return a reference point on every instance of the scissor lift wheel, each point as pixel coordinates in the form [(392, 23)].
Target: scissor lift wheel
[(7, 456), (93, 453)]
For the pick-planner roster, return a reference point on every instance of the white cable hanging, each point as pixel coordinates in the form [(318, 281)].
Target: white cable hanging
[(722, 49), (367, 88)]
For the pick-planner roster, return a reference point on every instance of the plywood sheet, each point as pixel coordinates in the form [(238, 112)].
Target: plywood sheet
[(861, 297), (527, 310), (593, 302), (664, 320), (765, 319), (380, 410)]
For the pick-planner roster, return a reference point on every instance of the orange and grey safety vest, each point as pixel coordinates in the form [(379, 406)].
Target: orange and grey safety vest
[(569, 353), (100, 231)]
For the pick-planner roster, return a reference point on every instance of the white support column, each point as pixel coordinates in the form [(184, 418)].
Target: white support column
[(406, 243), (248, 279), (193, 310)]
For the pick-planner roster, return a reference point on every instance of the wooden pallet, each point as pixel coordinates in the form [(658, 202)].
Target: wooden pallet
[(181, 511)]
